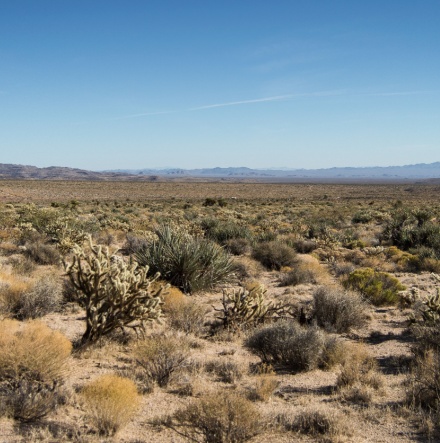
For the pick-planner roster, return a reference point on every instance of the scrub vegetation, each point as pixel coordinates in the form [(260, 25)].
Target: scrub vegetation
[(219, 312)]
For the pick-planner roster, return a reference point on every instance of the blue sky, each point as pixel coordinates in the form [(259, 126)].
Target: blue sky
[(103, 84)]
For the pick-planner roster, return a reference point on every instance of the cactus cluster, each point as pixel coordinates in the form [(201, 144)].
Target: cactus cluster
[(248, 307), (430, 310), (115, 294)]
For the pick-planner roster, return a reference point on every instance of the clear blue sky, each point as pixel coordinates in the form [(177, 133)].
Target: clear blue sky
[(106, 84)]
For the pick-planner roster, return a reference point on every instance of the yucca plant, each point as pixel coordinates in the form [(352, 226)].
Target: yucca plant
[(190, 263)]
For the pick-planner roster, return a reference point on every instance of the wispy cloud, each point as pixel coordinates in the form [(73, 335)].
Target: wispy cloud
[(276, 98)]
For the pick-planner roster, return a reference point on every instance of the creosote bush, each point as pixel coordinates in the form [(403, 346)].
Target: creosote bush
[(379, 288), (190, 263), (221, 417), (337, 310), (114, 294), (274, 255), (294, 347), (110, 401)]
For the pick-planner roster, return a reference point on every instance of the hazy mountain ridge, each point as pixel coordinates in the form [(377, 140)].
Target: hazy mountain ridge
[(420, 171), (417, 171)]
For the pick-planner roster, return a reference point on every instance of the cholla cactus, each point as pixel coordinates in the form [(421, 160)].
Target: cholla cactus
[(436, 277), (431, 308), (241, 308), (114, 294), (65, 236), (409, 297), (373, 250)]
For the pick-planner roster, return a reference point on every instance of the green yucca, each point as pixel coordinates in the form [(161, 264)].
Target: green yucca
[(192, 264)]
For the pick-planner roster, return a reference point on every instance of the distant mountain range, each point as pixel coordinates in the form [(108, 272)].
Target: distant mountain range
[(420, 171)]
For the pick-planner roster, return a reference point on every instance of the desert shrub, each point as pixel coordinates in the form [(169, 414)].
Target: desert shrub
[(30, 400), (189, 263), (114, 294), (246, 267), (29, 298), (209, 201), (300, 274), (340, 269), (379, 288), (33, 361), (412, 229), (32, 351), (304, 246), (317, 423), (358, 368), (424, 381), (218, 418), (134, 244), (227, 371), (189, 317), (42, 253), (110, 401), (274, 255), (292, 346), (160, 356), (221, 232), (42, 298), (364, 216), (12, 290), (338, 311), (237, 246), (263, 388), (173, 299), (23, 266)]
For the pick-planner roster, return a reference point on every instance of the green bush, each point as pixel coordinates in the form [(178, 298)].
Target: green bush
[(221, 232), (412, 230), (274, 255), (189, 263), (379, 288)]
